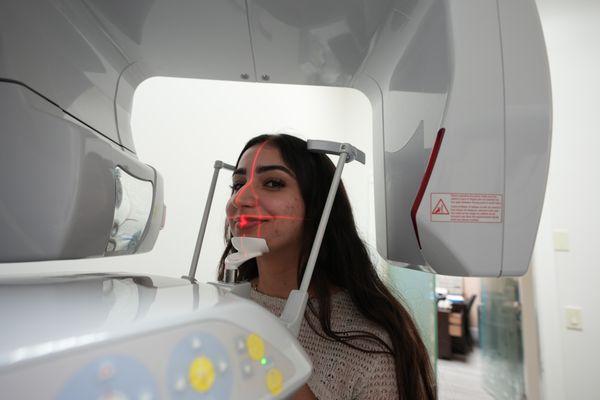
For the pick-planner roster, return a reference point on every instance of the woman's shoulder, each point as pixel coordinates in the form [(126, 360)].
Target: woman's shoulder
[(346, 374), (375, 370), (360, 368), (346, 316)]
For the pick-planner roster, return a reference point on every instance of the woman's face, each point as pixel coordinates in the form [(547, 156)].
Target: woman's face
[(266, 200)]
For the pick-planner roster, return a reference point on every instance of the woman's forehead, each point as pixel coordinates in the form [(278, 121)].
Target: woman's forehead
[(261, 154)]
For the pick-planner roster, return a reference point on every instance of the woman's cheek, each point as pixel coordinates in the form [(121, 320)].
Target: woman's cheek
[(228, 208)]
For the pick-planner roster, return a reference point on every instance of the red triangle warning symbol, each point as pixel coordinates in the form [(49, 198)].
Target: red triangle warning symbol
[(440, 208)]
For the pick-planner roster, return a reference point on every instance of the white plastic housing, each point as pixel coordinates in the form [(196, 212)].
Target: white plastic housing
[(475, 68), (161, 323), (465, 144)]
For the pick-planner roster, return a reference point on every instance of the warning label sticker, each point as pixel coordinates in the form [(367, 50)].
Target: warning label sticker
[(466, 207)]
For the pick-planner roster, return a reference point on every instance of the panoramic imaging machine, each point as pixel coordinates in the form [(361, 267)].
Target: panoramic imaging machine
[(461, 138)]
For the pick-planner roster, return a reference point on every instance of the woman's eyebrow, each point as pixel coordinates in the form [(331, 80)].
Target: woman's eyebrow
[(265, 168)]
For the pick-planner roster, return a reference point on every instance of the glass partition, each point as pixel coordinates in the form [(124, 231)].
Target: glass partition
[(500, 338), (416, 290)]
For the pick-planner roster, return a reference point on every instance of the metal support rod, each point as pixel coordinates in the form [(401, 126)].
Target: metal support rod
[(211, 193), (314, 252), (295, 306)]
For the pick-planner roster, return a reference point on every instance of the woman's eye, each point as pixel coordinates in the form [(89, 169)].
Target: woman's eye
[(236, 186), (274, 184)]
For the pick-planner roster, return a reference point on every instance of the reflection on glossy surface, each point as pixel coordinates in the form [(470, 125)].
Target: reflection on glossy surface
[(128, 18), (188, 38), (146, 281), (58, 187), (111, 378), (425, 64), (56, 203), (315, 42), (85, 307), (402, 243), (132, 209), (58, 49)]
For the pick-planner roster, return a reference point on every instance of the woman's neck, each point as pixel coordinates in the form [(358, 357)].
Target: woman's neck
[(277, 274)]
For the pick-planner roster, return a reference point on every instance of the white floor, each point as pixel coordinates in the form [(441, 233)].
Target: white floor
[(461, 379)]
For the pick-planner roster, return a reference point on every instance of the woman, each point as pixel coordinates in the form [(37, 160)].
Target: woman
[(361, 340)]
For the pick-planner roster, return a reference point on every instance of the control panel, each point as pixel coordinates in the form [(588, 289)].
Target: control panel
[(191, 342), (207, 361)]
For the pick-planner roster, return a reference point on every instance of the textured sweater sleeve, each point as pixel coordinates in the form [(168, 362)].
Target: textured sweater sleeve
[(378, 380)]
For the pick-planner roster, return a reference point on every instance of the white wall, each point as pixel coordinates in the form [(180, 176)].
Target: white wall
[(182, 126), (570, 358)]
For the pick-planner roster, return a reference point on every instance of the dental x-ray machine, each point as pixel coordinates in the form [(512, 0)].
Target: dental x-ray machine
[(461, 136)]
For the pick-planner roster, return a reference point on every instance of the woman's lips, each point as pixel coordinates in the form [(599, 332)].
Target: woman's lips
[(247, 223)]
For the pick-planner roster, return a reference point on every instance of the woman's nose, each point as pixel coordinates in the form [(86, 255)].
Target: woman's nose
[(245, 196)]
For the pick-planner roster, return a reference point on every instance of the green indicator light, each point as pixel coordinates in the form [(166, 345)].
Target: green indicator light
[(263, 361)]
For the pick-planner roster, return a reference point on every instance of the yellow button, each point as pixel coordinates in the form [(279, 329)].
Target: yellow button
[(256, 347), (202, 374), (274, 381)]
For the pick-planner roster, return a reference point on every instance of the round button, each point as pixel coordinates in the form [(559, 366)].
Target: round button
[(274, 381), (180, 384), (106, 371), (256, 347), (202, 374), (196, 343)]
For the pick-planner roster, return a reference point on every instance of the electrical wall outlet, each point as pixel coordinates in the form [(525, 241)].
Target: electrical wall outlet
[(574, 320)]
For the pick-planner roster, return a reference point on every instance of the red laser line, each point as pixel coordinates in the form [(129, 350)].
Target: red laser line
[(265, 217), (252, 172), (244, 217)]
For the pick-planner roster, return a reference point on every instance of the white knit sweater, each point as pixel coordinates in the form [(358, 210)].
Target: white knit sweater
[(339, 371)]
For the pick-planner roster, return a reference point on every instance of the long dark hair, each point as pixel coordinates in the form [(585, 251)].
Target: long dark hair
[(344, 262)]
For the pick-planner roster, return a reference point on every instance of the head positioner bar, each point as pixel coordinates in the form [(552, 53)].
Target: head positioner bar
[(296, 303)]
